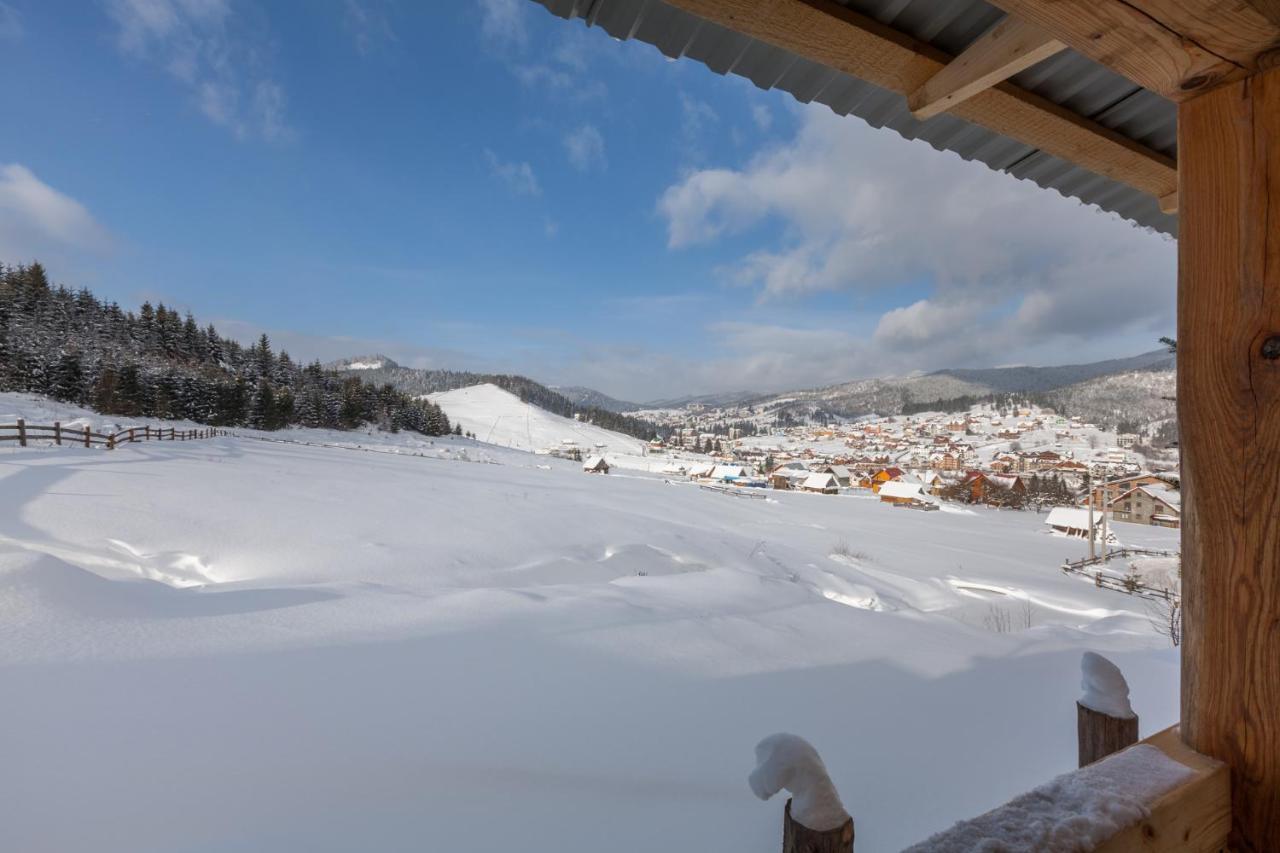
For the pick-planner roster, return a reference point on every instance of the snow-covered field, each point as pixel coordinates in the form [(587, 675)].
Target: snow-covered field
[(241, 645)]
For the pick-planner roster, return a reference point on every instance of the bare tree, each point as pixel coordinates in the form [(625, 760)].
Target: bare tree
[(1166, 617)]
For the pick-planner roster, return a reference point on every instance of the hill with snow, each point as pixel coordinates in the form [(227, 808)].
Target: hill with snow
[(363, 362), (499, 417)]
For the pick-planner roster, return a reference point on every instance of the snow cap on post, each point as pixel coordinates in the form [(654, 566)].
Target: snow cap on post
[(1105, 689), (790, 762)]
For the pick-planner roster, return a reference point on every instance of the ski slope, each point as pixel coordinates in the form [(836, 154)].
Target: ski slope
[(500, 417), (250, 645)]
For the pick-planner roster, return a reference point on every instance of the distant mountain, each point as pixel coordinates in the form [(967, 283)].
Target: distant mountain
[(1010, 379), (1121, 391), (379, 370), (1128, 402), (581, 396), (362, 362), (727, 398)]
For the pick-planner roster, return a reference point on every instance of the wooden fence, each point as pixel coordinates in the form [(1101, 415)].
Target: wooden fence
[(758, 494), (1131, 586), (23, 432)]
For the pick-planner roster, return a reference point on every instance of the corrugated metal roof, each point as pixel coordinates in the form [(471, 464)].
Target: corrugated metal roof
[(1068, 79)]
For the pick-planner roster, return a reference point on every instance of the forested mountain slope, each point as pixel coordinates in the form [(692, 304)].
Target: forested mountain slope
[(76, 348)]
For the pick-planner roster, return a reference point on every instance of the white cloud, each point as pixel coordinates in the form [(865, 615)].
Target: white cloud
[(843, 207), (369, 26), (11, 27), (696, 120), (762, 116), (585, 147), (518, 176), (196, 42), (36, 219), (503, 22)]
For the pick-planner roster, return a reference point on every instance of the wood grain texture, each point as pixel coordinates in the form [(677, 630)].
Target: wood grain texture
[(1100, 735), (1195, 817), (831, 35), (1176, 48), (1229, 420), (1011, 46), (798, 838)]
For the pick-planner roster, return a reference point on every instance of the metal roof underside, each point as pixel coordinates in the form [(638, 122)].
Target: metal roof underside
[(1068, 79)]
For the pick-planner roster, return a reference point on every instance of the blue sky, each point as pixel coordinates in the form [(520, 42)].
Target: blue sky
[(482, 185)]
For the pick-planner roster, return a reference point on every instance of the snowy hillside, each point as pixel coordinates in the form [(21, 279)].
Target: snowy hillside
[(252, 645), (499, 417), (1138, 398)]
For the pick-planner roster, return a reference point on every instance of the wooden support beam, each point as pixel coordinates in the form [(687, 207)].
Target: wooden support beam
[(1100, 735), (839, 38), (1012, 45), (1229, 424), (798, 838), (1169, 203), (1195, 817), (1176, 48)]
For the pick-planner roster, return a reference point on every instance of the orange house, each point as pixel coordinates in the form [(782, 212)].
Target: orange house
[(884, 475)]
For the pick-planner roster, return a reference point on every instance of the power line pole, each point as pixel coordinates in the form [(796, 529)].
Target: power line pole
[(1089, 472), (1106, 478)]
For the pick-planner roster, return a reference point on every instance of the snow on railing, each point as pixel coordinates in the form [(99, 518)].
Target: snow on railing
[(24, 433), (1157, 795), (814, 819)]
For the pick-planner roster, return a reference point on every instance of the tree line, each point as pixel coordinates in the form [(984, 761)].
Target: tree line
[(76, 348)]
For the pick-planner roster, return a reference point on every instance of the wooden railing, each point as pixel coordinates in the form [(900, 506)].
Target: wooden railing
[(1128, 796), (23, 433), (1126, 585)]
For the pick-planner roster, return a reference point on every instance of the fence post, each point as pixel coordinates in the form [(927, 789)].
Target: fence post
[(785, 761), (57, 433), (111, 441), (171, 433), (86, 437), (1105, 721), (798, 838), (22, 433)]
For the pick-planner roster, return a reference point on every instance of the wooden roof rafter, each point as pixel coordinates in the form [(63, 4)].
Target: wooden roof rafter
[(1175, 48), (832, 35), (1012, 45)]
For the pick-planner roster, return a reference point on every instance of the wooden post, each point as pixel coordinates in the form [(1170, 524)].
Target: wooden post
[(111, 442), (798, 838), (87, 441), (147, 434), (1229, 427), (22, 433), (57, 433), (171, 433), (1100, 734)]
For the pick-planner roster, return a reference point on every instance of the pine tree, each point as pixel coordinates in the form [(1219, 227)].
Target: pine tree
[(68, 378)]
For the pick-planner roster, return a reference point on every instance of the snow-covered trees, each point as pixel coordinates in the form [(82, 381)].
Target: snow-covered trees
[(156, 363)]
